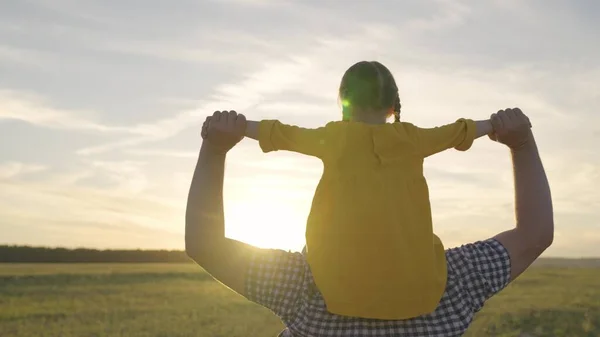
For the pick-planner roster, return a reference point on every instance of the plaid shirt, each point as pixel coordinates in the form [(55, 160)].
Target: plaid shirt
[(282, 282)]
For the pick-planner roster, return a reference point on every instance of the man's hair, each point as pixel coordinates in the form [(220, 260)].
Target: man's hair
[(369, 85)]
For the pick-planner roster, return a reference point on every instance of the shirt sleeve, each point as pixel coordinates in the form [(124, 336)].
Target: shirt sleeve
[(274, 135), (459, 135), (275, 280), (483, 268)]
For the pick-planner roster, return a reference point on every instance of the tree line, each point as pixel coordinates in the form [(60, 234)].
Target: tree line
[(28, 254)]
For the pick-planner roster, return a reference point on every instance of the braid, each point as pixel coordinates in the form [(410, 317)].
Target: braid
[(397, 107)]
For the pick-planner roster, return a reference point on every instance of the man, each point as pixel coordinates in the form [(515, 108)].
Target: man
[(282, 282)]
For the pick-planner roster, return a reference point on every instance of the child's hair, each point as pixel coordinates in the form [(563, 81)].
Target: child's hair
[(369, 85)]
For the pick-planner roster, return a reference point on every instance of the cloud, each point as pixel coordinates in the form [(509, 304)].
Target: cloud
[(66, 179), (574, 186), (20, 56), (162, 153), (244, 94), (72, 204), (249, 49), (273, 77), (86, 233), (152, 132), (10, 170), (128, 176), (33, 109), (252, 2), (450, 13)]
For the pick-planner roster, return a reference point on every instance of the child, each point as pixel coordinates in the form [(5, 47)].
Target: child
[(369, 237)]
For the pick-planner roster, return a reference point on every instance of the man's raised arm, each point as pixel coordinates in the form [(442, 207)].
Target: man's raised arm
[(534, 229), (205, 242)]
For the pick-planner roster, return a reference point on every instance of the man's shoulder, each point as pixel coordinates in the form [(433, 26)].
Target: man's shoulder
[(272, 263), (275, 279), (482, 260)]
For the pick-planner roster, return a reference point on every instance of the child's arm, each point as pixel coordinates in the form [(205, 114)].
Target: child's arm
[(252, 129), (483, 128), (273, 135), (459, 135)]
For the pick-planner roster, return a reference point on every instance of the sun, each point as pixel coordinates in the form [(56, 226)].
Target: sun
[(266, 225)]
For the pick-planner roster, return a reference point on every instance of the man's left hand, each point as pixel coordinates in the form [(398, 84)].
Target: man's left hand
[(223, 130)]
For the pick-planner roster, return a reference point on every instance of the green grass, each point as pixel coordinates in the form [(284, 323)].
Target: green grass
[(134, 300)]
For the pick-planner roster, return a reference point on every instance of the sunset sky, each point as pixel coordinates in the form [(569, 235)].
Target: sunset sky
[(101, 104)]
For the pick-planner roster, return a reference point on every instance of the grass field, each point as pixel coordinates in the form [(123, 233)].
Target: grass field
[(137, 300)]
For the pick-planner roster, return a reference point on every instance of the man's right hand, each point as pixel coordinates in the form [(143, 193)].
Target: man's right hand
[(534, 230), (511, 128), (223, 130)]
